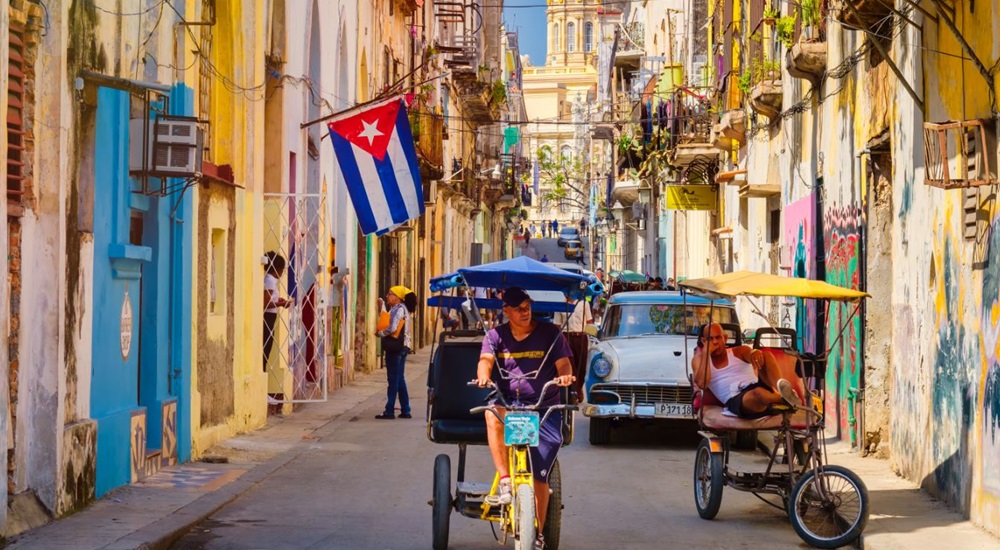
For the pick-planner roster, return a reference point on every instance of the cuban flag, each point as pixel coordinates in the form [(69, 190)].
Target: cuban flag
[(377, 160)]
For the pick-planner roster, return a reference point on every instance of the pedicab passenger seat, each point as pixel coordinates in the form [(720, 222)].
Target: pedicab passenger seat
[(449, 397), (711, 411)]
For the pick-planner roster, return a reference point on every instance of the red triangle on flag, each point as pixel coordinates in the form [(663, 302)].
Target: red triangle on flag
[(371, 129)]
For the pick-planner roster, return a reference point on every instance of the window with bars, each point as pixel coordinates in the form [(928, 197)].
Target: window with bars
[(205, 77), (571, 36), (588, 37), (15, 114)]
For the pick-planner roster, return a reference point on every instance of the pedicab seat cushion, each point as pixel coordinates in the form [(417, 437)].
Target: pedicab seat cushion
[(714, 417), (450, 397)]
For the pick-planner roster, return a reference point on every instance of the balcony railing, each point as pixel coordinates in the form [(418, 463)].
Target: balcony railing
[(429, 135), (690, 116), (631, 38)]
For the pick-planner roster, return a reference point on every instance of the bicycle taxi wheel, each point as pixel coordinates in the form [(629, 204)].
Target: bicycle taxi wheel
[(708, 480), (442, 502), (828, 507), (525, 537), (553, 516)]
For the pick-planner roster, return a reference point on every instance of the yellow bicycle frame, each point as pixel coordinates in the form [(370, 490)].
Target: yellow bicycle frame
[(519, 464)]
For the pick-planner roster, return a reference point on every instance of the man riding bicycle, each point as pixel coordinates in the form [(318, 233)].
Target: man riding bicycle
[(540, 351)]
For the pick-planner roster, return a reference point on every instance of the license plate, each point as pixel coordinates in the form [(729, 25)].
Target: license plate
[(672, 409), (521, 428)]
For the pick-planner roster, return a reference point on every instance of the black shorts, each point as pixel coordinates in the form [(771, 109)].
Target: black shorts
[(735, 403)]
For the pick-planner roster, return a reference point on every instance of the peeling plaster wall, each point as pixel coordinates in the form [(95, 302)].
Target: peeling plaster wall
[(945, 400), (215, 380), (228, 386), (42, 382)]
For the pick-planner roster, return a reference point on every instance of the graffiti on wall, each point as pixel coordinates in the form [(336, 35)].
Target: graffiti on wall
[(955, 383), (842, 239), (990, 384), (799, 239)]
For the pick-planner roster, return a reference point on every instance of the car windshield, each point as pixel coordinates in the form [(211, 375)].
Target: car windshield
[(569, 232), (623, 320), (574, 244)]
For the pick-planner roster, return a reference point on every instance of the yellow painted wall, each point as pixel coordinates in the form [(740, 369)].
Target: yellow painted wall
[(236, 119)]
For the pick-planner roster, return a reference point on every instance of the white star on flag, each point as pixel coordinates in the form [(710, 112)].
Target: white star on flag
[(370, 131)]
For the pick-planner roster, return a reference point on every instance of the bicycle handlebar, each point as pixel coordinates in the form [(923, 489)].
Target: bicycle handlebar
[(536, 406)]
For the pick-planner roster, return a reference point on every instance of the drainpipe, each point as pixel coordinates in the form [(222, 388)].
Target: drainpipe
[(856, 395)]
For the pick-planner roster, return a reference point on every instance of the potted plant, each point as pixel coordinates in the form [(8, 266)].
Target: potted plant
[(770, 15), (809, 10), (784, 30)]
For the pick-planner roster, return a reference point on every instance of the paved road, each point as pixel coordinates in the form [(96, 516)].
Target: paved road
[(366, 486), (539, 247)]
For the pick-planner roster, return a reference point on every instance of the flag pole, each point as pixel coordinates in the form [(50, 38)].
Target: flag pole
[(388, 93)]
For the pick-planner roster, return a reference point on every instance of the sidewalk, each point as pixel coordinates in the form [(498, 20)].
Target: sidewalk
[(154, 513), (903, 516)]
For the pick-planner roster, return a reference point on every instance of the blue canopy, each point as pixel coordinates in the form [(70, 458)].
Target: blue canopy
[(455, 302), (524, 272)]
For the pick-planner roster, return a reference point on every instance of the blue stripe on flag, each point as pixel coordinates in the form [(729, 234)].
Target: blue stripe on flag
[(352, 177), (409, 148), (393, 198)]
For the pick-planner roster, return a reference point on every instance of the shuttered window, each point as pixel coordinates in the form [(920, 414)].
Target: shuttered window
[(15, 114)]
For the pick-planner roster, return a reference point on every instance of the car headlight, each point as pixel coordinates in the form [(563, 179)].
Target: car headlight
[(601, 366)]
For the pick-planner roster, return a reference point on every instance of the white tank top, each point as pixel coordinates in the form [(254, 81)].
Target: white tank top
[(730, 380)]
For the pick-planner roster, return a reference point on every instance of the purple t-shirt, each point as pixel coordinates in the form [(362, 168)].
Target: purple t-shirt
[(525, 357)]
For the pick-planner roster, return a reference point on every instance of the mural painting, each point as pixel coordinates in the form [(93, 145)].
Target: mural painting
[(842, 239), (799, 219), (955, 383), (990, 384)]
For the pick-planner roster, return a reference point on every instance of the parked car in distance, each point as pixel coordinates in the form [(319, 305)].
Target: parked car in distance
[(637, 366), (567, 234), (574, 249)]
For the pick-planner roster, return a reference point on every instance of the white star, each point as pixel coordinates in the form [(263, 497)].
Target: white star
[(371, 131)]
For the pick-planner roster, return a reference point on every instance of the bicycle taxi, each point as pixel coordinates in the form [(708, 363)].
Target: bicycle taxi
[(456, 410), (826, 504)]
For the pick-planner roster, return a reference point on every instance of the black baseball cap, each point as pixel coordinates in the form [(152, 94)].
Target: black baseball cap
[(515, 296)]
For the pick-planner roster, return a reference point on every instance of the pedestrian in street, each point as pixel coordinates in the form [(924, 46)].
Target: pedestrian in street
[(555, 228), (527, 238), (273, 270), (583, 226), (545, 229), (545, 258), (531, 229), (397, 342)]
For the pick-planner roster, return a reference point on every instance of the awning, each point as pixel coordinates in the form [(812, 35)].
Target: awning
[(749, 283)]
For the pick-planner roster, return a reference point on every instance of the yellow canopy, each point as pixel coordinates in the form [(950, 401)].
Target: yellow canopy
[(748, 283)]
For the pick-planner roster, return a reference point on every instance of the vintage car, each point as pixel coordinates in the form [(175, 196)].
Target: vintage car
[(574, 249), (636, 366)]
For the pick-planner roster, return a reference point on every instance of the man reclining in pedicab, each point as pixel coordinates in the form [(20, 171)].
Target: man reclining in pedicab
[(747, 381), (525, 345)]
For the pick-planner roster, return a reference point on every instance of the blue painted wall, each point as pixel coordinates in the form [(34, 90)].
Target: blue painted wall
[(182, 295), (158, 367), (117, 268)]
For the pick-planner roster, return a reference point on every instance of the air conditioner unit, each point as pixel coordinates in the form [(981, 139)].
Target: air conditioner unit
[(173, 147), (430, 193)]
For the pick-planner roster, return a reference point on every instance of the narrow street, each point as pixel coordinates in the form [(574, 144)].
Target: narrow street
[(366, 485), (537, 248)]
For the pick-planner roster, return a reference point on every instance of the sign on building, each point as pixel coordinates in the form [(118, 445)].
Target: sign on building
[(692, 197)]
